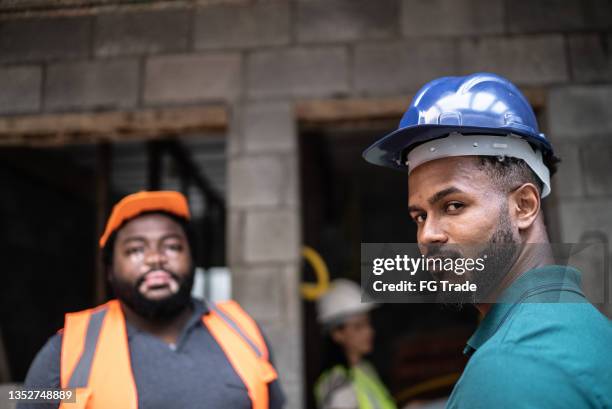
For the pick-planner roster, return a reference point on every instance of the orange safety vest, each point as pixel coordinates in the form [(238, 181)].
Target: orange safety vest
[(95, 357)]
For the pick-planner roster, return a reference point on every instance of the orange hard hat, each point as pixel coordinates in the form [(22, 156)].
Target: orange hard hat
[(141, 202)]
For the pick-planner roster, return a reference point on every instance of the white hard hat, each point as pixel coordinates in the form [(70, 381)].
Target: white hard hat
[(343, 299)]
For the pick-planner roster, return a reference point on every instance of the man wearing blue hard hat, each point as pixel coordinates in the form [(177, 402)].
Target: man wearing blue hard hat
[(478, 168)]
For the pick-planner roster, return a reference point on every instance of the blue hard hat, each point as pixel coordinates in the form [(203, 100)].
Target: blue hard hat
[(480, 103)]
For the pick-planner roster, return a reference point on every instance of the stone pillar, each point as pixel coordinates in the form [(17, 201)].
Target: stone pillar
[(264, 230)]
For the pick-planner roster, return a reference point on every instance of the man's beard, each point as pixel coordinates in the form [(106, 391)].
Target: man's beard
[(499, 255), (161, 310)]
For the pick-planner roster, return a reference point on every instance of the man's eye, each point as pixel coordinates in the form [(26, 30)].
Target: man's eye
[(174, 247), (134, 250), (454, 206), (420, 218)]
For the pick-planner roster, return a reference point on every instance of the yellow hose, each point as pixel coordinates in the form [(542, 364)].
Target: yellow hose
[(312, 291)]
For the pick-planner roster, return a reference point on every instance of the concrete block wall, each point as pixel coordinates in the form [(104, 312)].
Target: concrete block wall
[(259, 57), (580, 120)]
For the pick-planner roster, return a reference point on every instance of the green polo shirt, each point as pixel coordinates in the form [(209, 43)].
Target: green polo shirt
[(544, 347)]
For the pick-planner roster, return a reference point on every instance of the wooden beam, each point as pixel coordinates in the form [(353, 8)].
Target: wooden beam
[(536, 97), (313, 112), (53, 8), (92, 127), (353, 109)]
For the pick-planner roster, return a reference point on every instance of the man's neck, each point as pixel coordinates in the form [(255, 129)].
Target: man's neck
[(532, 255), (353, 358), (167, 331)]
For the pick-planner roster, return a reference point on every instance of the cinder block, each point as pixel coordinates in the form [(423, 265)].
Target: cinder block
[(235, 237), (580, 216), (321, 71), (269, 127), (284, 335), (591, 57), (597, 13), (527, 60), (38, 39), (294, 391), (142, 33), (92, 84), (188, 78), (271, 235), (292, 195), (597, 165), (5, 388), (580, 112), (260, 292), (20, 89), (257, 181), (239, 26), (234, 132), (398, 67), (526, 16), (285, 339), (568, 181), (452, 17), (346, 20)]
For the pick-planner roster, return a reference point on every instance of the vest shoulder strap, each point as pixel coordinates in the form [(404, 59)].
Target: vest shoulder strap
[(95, 357), (242, 342), (233, 314)]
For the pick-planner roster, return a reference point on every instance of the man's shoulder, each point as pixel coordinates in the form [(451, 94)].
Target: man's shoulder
[(504, 378), (544, 328), (554, 344), (44, 370)]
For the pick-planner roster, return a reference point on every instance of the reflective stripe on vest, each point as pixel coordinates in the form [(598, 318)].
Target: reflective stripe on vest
[(95, 357)]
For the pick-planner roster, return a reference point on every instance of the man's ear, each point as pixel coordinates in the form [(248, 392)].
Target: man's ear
[(525, 205)]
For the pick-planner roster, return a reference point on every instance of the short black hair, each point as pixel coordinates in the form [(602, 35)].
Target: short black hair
[(333, 353), (109, 248), (507, 173)]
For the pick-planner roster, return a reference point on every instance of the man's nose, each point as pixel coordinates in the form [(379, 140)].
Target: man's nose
[(431, 232), (155, 257)]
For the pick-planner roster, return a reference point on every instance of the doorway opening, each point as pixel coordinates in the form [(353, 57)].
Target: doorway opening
[(58, 194), (346, 201)]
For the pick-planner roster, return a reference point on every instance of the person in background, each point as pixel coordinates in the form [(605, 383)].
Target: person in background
[(348, 381), (155, 346)]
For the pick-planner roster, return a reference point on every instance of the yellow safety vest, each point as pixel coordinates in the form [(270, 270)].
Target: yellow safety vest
[(95, 357), (369, 389)]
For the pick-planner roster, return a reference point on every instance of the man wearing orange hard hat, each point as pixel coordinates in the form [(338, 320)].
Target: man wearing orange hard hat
[(154, 346)]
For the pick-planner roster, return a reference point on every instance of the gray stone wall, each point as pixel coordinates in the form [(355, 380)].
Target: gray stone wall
[(259, 57)]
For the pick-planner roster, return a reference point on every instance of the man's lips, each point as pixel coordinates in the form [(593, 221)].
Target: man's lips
[(156, 279)]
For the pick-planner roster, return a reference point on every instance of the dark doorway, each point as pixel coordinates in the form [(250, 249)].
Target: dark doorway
[(346, 201), (50, 216)]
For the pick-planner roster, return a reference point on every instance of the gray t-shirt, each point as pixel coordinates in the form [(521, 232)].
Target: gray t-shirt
[(193, 374)]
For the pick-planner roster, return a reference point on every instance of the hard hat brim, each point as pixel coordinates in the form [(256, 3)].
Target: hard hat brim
[(339, 317), (390, 151)]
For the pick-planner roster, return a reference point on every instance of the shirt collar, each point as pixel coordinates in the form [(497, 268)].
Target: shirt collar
[(530, 285)]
